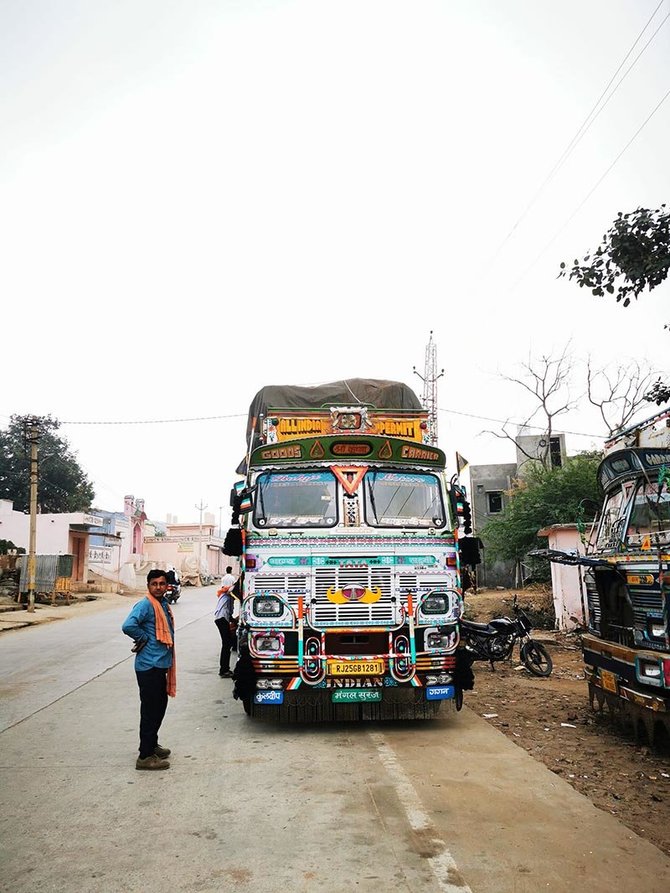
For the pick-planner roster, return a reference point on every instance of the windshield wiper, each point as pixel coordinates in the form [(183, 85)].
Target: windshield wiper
[(261, 502), (370, 478)]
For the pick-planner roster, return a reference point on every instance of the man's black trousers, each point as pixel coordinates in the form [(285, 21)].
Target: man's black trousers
[(226, 644), (153, 704)]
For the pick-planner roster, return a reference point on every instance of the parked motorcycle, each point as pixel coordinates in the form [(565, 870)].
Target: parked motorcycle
[(173, 592), (495, 640)]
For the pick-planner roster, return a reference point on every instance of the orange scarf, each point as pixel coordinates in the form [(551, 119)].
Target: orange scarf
[(164, 635)]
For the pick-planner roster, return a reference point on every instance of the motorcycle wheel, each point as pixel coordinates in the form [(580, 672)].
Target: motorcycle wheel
[(536, 658)]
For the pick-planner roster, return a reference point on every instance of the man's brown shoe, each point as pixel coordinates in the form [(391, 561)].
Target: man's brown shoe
[(151, 762), (162, 752)]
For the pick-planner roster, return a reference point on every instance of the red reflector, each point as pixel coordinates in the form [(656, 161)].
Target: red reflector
[(451, 561), (250, 562), (666, 671)]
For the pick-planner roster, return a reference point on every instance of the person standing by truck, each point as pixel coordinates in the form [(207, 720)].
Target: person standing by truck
[(151, 625), (224, 620)]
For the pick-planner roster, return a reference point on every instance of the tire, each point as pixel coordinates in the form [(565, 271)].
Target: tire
[(536, 658), (246, 703)]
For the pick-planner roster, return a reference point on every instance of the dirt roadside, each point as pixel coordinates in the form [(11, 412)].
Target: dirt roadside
[(15, 617), (550, 718)]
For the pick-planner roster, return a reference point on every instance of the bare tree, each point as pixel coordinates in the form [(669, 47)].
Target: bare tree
[(618, 391), (546, 379)]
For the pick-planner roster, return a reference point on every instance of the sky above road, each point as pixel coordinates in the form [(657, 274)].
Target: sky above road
[(201, 198)]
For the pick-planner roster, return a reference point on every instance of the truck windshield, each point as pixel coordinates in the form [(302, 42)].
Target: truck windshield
[(613, 517), (403, 499), (295, 499), (649, 517)]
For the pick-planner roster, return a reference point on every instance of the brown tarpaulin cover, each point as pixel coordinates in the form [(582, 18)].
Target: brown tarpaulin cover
[(377, 393)]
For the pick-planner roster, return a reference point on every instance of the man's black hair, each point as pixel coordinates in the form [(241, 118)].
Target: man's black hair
[(154, 574), (229, 570)]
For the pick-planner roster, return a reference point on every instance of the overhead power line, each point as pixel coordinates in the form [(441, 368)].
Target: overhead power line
[(585, 126), (239, 415), (204, 418), (484, 418), (590, 192)]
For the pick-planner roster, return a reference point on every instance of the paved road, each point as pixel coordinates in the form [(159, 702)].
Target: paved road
[(449, 806)]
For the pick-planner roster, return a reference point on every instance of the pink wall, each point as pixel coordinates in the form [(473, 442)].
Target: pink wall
[(566, 579)]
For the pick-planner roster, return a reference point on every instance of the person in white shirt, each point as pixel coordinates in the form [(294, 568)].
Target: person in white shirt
[(224, 618)]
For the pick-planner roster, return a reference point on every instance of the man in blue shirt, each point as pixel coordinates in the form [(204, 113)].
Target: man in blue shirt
[(151, 625)]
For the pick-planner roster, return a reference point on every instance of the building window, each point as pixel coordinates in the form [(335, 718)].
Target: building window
[(555, 452), (495, 501)]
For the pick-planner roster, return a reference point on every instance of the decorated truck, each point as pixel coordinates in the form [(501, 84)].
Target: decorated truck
[(626, 573), (627, 650), (348, 529)]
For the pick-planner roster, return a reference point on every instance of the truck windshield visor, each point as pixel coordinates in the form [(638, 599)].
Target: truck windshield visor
[(296, 499), (403, 499)]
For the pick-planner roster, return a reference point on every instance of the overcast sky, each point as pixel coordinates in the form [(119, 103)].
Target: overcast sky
[(199, 198)]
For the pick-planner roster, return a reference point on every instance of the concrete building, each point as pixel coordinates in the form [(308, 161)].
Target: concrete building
[(66, 533), (195, 550), (490, 486), (489, 494), (533, 447)]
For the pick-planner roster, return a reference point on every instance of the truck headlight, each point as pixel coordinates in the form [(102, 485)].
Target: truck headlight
[(435, 603), (267, 606), (649, 671)]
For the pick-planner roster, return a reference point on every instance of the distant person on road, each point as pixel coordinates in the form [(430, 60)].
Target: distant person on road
[(151, 625), (227, 607), (172, 576)]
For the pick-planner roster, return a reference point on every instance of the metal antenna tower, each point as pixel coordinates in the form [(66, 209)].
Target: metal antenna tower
[(429, 379)]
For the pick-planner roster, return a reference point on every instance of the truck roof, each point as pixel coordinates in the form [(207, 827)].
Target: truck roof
[(377, 393), (651, 432), (380, 394)]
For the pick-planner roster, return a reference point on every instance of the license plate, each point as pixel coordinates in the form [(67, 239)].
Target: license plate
[(351, 695), (439, 692), (355, 667), (269, 697), (608, 681)]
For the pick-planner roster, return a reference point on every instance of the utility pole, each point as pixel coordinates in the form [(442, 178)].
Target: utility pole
[(429, 379), (32, 436), (201, 508)]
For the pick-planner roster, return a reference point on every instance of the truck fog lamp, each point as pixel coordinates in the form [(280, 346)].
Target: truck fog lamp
[(268, 643)]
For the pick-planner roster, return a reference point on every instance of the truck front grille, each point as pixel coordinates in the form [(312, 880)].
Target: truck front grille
[(323, 612)]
